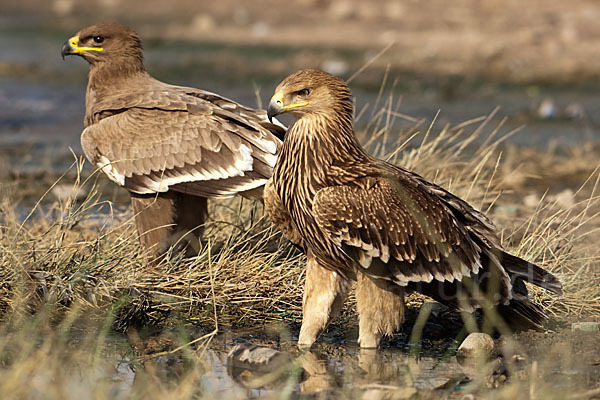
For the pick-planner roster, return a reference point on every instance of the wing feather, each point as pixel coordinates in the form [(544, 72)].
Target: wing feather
[(158, 139), (395, 230)]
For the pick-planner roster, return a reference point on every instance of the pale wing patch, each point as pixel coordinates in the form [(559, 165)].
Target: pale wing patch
[(278, 123), (160, 182), (271, 159), (364, 259), (245, 162), (249, 185), (107, 167)]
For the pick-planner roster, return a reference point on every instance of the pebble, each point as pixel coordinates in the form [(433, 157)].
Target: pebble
[(477, 357), (389, 392), (476, 347)]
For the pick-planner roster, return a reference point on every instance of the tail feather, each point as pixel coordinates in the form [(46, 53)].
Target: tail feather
[(519, 312), (521, 270), (522, 314)]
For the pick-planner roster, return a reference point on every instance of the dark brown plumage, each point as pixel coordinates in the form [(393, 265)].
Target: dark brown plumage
[(361, 218), (170, 146)]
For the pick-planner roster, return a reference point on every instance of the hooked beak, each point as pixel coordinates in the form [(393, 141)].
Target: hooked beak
[(71, 47), (277, 106), (66, 50)]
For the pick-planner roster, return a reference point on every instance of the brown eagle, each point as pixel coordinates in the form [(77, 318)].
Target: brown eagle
[(358, 217), (171, 147)]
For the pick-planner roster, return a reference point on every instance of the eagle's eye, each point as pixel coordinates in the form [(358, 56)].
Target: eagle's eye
[(98, 39), (304, 92)]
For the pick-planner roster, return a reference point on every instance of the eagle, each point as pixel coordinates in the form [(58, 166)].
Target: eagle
[(360, 218), (171, 147)]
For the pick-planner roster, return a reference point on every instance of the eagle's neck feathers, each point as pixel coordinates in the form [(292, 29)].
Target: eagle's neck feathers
[(110, 76), (315, 147), (112, 79)]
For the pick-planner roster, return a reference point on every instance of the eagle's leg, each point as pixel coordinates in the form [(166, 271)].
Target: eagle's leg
[(324, 294), (192, 213), (169, 219), (380, 309)]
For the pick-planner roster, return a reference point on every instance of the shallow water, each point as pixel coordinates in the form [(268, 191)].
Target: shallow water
[(330, 368), (252, 363)]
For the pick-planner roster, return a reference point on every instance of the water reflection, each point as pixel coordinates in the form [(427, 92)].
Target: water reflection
[(318, 372), (239, 370), (242, 365)]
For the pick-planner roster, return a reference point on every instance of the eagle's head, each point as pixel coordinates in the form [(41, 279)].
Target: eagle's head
[(311, 91), (105, 42)]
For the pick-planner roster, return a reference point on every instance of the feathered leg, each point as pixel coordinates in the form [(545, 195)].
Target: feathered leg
[(192, 213), (169, 219), (380, 309), (324, 294)]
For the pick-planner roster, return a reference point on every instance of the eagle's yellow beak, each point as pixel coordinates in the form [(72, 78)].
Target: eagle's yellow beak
[(277, 106), (71, 46)]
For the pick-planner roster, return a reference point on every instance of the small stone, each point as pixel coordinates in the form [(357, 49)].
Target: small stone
[(495, 381), (478, 347), (575, 111), (389, 392), (546, 109), (517, 358)]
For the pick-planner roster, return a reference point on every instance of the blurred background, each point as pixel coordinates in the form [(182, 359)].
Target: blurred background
[(538, 61)]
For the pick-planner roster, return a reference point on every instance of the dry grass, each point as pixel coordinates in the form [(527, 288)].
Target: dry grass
[(84, 252), (71, 260)]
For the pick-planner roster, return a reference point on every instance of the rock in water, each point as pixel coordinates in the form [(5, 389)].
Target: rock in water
[(477, 357), (476, 347)]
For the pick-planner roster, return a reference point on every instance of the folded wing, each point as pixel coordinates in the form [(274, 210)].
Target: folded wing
[(173, 138), (396, 230)]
